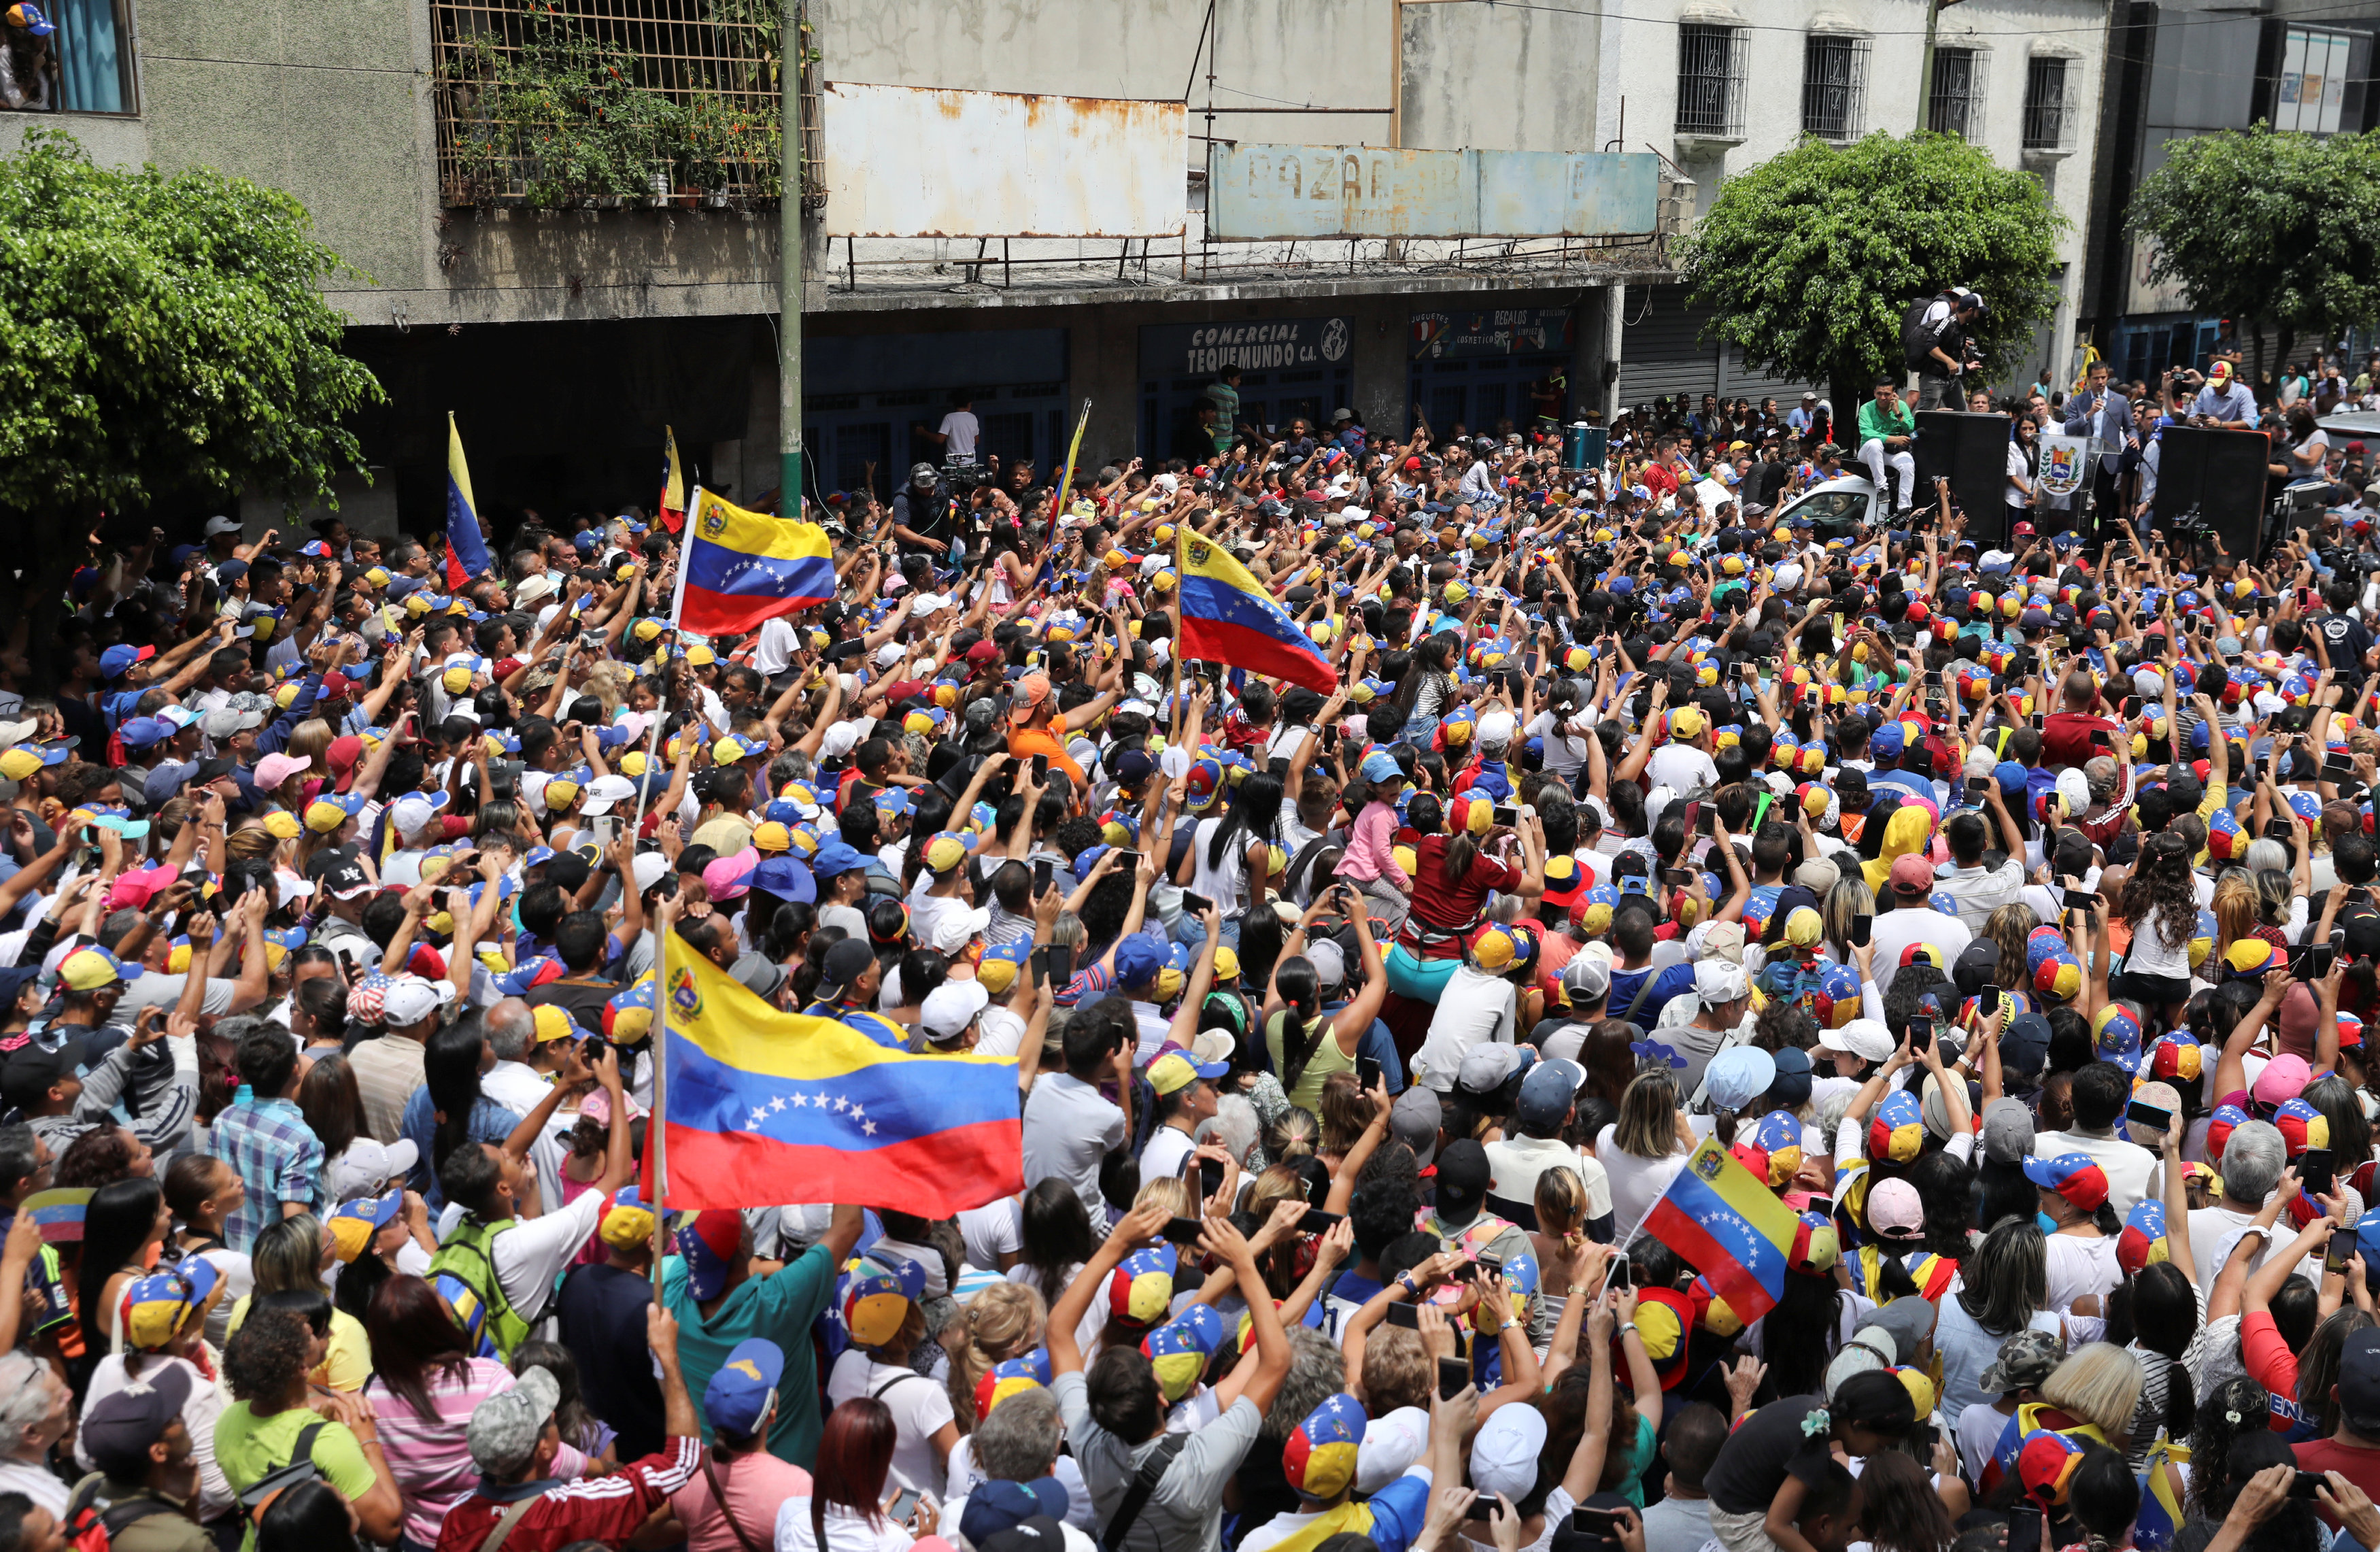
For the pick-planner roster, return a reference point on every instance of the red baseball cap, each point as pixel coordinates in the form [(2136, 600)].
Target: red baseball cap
[(1912, 874)]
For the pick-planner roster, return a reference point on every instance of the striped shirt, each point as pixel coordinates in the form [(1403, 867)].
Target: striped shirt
[(278, 1158), (429, 1457), (387, 1071)]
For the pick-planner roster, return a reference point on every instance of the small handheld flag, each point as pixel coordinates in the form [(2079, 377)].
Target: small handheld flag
[(1729, 1227), (468, 545), (672, 502), (1228, 617), (742, 568)]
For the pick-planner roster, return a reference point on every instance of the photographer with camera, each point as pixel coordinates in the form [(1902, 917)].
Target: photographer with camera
[(1938, 350), (926, 519)]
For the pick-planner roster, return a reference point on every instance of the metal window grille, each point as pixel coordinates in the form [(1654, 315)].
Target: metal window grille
[(1955, 106), (603, 103), (1710, 80), (2049, 106), (1834, 86)]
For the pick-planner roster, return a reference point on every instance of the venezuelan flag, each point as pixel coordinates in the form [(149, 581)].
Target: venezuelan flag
[(673, 503), (761, 1106), (59, 1211), (2161, 1514), (1228, 617), (468, 545), (742, 568), (1727, 1226)]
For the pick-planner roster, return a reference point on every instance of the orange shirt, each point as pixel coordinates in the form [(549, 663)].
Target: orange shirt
[(1027, 741)]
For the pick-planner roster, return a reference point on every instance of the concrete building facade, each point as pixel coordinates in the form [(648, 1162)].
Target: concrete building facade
[(564, 339)]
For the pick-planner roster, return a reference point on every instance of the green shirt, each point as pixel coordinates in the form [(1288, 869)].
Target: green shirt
[(1226, 400), (250, 1449), (1874, 426), (780, 1307)]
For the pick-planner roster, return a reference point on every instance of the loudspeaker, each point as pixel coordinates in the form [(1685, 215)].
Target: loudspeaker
[(2221, 473), (1971, 451)]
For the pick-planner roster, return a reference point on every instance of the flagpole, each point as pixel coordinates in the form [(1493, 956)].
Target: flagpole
[(657, 1129), (677, 607)]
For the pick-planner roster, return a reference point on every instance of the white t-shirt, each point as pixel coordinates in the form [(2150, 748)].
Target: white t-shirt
[(1896, 930), (1636, 1183), (991, 1231), (1474, 1007), (847, 1531), (961, 428), (2080, 1265), (920, 1408), (1681, 768), (1166, 1153)]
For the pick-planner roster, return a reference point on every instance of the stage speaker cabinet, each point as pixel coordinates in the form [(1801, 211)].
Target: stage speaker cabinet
[(1971, 451), (2222, 474)]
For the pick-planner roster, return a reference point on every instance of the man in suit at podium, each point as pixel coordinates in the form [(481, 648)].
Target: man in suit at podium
[(2105, 415)]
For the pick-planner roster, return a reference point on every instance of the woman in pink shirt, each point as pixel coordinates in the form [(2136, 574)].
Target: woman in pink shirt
[(740, 1484), (423, 1390)]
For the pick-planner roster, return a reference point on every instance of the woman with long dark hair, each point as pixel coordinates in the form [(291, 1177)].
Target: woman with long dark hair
[(1307, 1047), (1230, 854), (448, 1109), (1057, 1241), (2023, 468), (1424, 688), (2160, 907), (426, 1384), (2002, 1290), (845, 1511), (122, 1230)]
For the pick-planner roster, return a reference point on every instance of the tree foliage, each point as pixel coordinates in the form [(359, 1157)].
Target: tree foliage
[(2272, 230), (1809, 260), (161, 334)]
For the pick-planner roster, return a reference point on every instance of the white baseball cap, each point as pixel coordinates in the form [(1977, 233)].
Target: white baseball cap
[(408, 1001), (952, 1006)]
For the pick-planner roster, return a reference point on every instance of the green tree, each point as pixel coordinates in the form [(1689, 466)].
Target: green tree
[(159, 337), (2270, 230), (1809, 260)]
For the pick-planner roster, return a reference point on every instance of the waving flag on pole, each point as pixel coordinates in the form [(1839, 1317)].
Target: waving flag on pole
[(1228, 617), (1727, 1226), (673, 486), (467, 548), (756, 1104), (742, 568)]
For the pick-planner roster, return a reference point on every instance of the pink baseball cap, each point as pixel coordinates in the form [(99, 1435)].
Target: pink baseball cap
[(1894, 1212), (2284, 1078)]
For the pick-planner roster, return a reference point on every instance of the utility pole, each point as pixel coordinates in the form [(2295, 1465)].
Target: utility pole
[(1925, 65), (789, 278)]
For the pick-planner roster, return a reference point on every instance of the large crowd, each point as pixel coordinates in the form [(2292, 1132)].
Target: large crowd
[(1999, 903)]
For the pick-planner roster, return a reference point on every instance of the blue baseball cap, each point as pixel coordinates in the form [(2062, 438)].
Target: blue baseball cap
[(1381, 766), (1138, 959), (836, 858), (739, 1394), (787, 879), (142, 731), (997, 1508)]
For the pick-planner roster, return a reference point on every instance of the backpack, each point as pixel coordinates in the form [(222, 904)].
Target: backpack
[(468, 1256), (92, 1524), (1916, 338)]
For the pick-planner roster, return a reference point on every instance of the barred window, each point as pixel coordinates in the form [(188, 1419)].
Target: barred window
[(2049, 105), (1834, 86), (1710, 80), (551, 103), (1955, 106)]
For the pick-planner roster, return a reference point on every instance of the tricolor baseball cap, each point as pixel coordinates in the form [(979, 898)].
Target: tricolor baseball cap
[(156, 1307), (711, 1243), (624, 1221), (2142, 1242), (2072, 1176), (1178, 1350), (1174, 1071), (1014, 1376), (1319, 1458), (1140, 1292), (352, 1224), (1898, 1129), (876, 1303)]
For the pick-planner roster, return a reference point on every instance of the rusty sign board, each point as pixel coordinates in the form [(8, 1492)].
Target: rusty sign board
[(905, 162), (1270, 192)]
